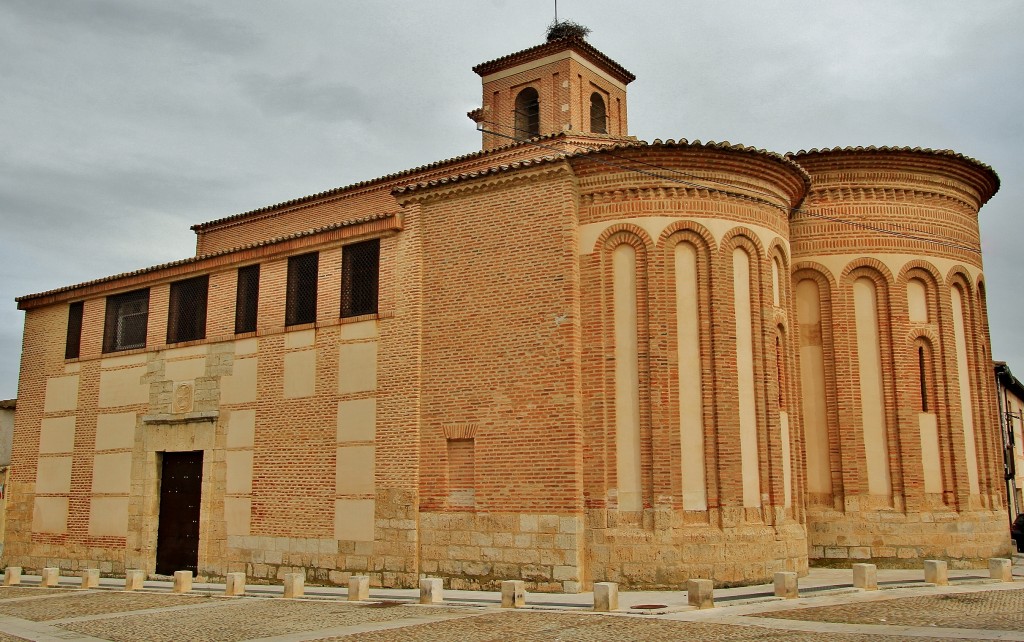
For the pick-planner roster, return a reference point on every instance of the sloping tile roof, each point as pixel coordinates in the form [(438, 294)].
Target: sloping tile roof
[(553, 46)]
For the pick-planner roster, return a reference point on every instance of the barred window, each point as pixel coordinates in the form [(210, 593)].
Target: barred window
[(186, 312), (300, 306), (360, 278), (73, 344), (247, 298), (126, 321)]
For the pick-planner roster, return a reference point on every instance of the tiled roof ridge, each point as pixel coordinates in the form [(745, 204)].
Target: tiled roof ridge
[(211, 255), (896, 148), (583, 151), (366, 183), (558, 43)]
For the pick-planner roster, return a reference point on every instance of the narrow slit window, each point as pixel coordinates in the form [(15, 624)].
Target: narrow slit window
[(780, 365), (247, 297), (73, 344), (300, 306), (186, 311), (923, 378), (360, 278), (126, 321)]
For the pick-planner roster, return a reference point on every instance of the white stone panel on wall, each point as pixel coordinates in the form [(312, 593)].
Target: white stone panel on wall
[(241, 429), (115, 430), (357, 368), (357, 420), (360, 330), (746, 391), (299, 379), (627, 380), (691, 398), (966, 401), (917, 301), (246, 346), (53, 475), (57, 435), (123, 360), (872, 395), (787, 460), (812, 386), (354, 470), (239, 471), (354, 520), (185, 369), (931, 459), (112, 473), (50, 515), (299, 338), (61, 394), (237, 515), (108, 517), (123, 387), (240, 385)]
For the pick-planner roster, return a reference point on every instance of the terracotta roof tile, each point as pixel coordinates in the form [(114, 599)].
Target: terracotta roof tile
[(553, 46)]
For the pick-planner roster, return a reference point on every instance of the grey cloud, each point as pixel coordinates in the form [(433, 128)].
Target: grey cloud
[(305, 95)]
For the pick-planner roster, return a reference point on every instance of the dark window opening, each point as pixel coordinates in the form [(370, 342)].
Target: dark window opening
[(527, 114), (598, 114), (126, 321), (186, 311), (923, 379), (360, 278), (247, 298), (73, 344), (780, 364), (300, 306)]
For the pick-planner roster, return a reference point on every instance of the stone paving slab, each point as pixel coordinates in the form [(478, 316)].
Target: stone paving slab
[(528, 626), (989, 610), (249, 618)]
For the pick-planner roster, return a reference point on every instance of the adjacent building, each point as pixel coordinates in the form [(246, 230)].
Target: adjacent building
[(569, 357)]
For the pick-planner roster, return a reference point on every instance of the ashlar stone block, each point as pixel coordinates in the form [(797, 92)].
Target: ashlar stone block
[(936, 572), (12, 577), (182, 581), (1000, 569), (606, 596), (431, 590), (90, 578), (786, 585), (134, 579), (358, 588), (865, 576), (50, 576), (513, 594), (294, 585), (234, 584), (700, 593)]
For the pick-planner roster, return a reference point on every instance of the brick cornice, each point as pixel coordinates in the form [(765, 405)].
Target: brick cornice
[(527, 171), (884, 194)]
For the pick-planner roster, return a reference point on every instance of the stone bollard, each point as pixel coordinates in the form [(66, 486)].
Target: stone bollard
[(294, 584), (50, 576), (700, 593), (134, 579), (12, 577), (358, 588), (182, 581), (513, 594), (606, 596), (431, 590), (865, 576), (234, 584), (1000, 569), (90, 578), (786, 585), (935, 572)]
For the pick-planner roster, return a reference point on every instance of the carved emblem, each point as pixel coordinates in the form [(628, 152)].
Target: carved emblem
[(182, 400)]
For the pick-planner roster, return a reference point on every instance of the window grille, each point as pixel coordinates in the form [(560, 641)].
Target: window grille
[(300, 306), (126, 321), (360, 278), (598, 114), (186, 312), (73, 345), (247, 298), (527, 114)]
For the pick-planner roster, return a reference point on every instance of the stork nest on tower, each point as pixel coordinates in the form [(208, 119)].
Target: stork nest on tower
[(566, 29)]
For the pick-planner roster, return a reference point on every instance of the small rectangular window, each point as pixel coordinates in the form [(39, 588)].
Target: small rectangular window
[(126, 321), (186, 311), (360, 278), (73, 345), (247, 298), (300, 306)]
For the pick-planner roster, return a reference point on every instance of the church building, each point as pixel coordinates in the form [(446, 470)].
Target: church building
[(571, 356)]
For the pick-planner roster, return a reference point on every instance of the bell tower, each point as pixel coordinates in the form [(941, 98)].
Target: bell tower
[(563, 85)]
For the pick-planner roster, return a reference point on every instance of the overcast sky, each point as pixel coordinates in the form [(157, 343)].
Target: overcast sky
[(124, 122)]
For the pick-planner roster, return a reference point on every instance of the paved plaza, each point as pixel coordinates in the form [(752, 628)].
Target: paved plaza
[(971, 607)]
